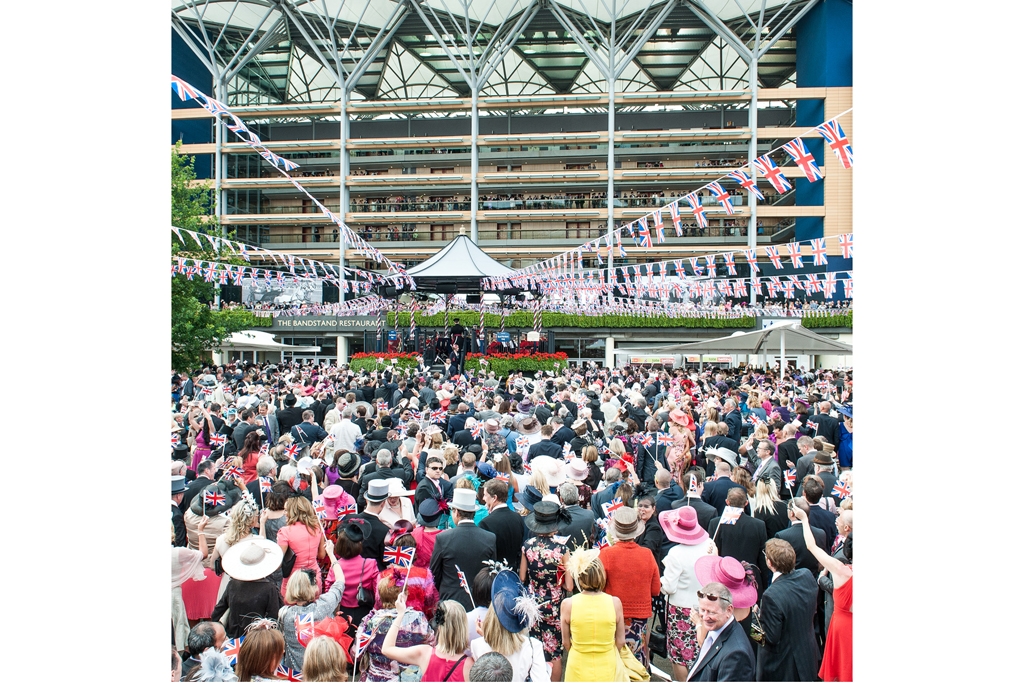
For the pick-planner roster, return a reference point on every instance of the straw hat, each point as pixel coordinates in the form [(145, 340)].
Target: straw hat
[(252, 558), (626, 524)]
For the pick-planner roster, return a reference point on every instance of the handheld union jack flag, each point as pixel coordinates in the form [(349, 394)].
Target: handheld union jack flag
[(437, 416), (673, 210), (646, 440), (766, 167), (522, 444), (836, 138), (846, 244), (659, 226), (266, 484), (611, 506), (362, 640), (773, 256), (812, 425), (288, 674), (698, 210), (693, 485), (790, 478), (794, 254), (603, 543), (218, 440), (348, 509), (230, 649), (722, 196), (304, 625), (730, 262), (465, 584), (645, 232), (803, 158), (730, 515), (382, 406), (754, 419), (398, 555), (842, 489), (747, 183), (175, 440), (213, 498), (292, 451), (475, 431), (265, 449), (818, 251), (320, 509), (566, 450)]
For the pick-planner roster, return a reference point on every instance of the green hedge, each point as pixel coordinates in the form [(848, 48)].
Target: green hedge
[(830, 320), (259, 320), (524, 319), (369, 361), (503, 367)]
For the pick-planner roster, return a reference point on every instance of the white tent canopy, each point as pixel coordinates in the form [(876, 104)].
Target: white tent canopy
[(791, 338), (252, 340), (460, 258)]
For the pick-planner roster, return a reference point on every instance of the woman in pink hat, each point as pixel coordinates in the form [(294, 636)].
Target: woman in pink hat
[(679, 584), (738, 577)]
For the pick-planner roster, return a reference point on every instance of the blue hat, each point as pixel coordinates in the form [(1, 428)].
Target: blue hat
[(846, 410), (529, 497), (177, 484), (511, 603)]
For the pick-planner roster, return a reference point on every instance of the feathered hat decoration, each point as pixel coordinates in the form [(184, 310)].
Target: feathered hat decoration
[(215, 666), (495, 566), (580, 559)]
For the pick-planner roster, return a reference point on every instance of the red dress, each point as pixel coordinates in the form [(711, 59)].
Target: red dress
[(438, 668), (837, 662)]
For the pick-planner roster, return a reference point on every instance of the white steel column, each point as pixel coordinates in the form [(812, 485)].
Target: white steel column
[(343, 192), (474, 188), (220, 94), (751, 156)]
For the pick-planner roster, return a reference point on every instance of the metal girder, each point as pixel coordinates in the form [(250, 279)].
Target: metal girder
[(786, 27), (719, 27)]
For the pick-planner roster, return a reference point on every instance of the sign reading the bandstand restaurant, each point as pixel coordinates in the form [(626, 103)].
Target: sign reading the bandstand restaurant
[(325, 322)]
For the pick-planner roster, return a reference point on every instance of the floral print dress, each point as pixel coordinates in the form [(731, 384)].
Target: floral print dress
[(543, 558)]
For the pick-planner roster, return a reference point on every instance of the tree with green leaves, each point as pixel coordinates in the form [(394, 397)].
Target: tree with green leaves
[(196, 329)]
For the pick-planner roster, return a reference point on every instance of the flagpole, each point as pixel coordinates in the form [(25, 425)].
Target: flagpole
[(410, 570)]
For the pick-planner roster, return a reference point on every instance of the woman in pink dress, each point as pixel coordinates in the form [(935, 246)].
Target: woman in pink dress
[(446, 661), (302, 534)]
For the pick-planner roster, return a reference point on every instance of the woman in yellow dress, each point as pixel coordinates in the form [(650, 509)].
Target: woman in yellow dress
[(593, 631)]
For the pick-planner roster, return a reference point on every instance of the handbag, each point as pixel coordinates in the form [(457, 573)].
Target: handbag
[(288, 562), (364, 596), (756, 630)]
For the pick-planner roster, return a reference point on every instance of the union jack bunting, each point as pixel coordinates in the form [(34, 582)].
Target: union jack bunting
[(798, 150), (730, 262), (842, 489), (846, 244), (787, 289), (836, 138), (730, 515), (230, 649), (622, 249), (399, 555), (213, 498), (848, 287), (747, 183), (710, 260), (673, 210), (182, 89), (698, 210), (818, 251), (773, 256), (697, 270), (830, 285), (794, 254), (722, 196), (740, 288), (813, 284), (659, 226), (766, 167), (751, 255), (645, 233)]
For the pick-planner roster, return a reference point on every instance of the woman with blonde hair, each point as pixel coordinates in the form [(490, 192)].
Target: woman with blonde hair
[(768, 507), (451, 459), (593, 629), (324, 660), (241, 520), (302, 535), (445, 661), (593, 471), (505, 629)]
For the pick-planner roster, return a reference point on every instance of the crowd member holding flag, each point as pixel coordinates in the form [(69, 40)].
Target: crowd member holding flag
[(303, 607), (421, 602), (445, 661)]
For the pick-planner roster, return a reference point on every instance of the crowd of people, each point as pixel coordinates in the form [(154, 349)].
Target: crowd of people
[(404, 525)]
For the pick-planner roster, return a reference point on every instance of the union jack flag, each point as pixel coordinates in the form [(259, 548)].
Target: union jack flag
[(362, 640), (611, 506), (437, 416), (265, 449), (790, 478), (836, 138), (230, 649), (698, 210), (751, 255), (645, 232), (730, 262), (710, 260), (266, 484), (292, 451), (522, 443), (788, 289), (697, 270), (288, 674), (347, 509), (747, 183), (182, 89), (693, 484), (213, 498), (730, 515), (475, 431), (818, 251), (803, 158), (848, 287), (813, 284), (382, 406), (175, 440), (646, 441), (722, 196), (830, 284), (741, 288), (812, 425), (304, 625), (773, 256), (462, 580), (766, 167), (566, 450), (794, 254), (754, 419), (415, 415), (400, 555), (842, 489), (846, 244), (320, 509), (622, 249), (603, 543), (218, 440), (659, 226), (673, 210)]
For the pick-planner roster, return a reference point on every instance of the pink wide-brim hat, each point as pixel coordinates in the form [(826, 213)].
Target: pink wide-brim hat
[(729, 572), (680, 525)]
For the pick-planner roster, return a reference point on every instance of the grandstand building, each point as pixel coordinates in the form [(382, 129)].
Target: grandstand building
[(514, 122)]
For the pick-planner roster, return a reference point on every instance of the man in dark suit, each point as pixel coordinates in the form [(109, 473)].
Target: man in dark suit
[(507, 526), (813, 489), (177, 516), (705, 512), (290, 415), (546, 446), (719, 437), (794, 535), (715, 492), (385, 470), (726, 654), (433, 485), (373, 546), (563, 434), (204, 477), (461, 549), (580, 527), (790, 651), (734, 419), (457, 422), (828, 426), (246, 424), (743, 540), (464, 437), (612, 478), (666, 492)]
